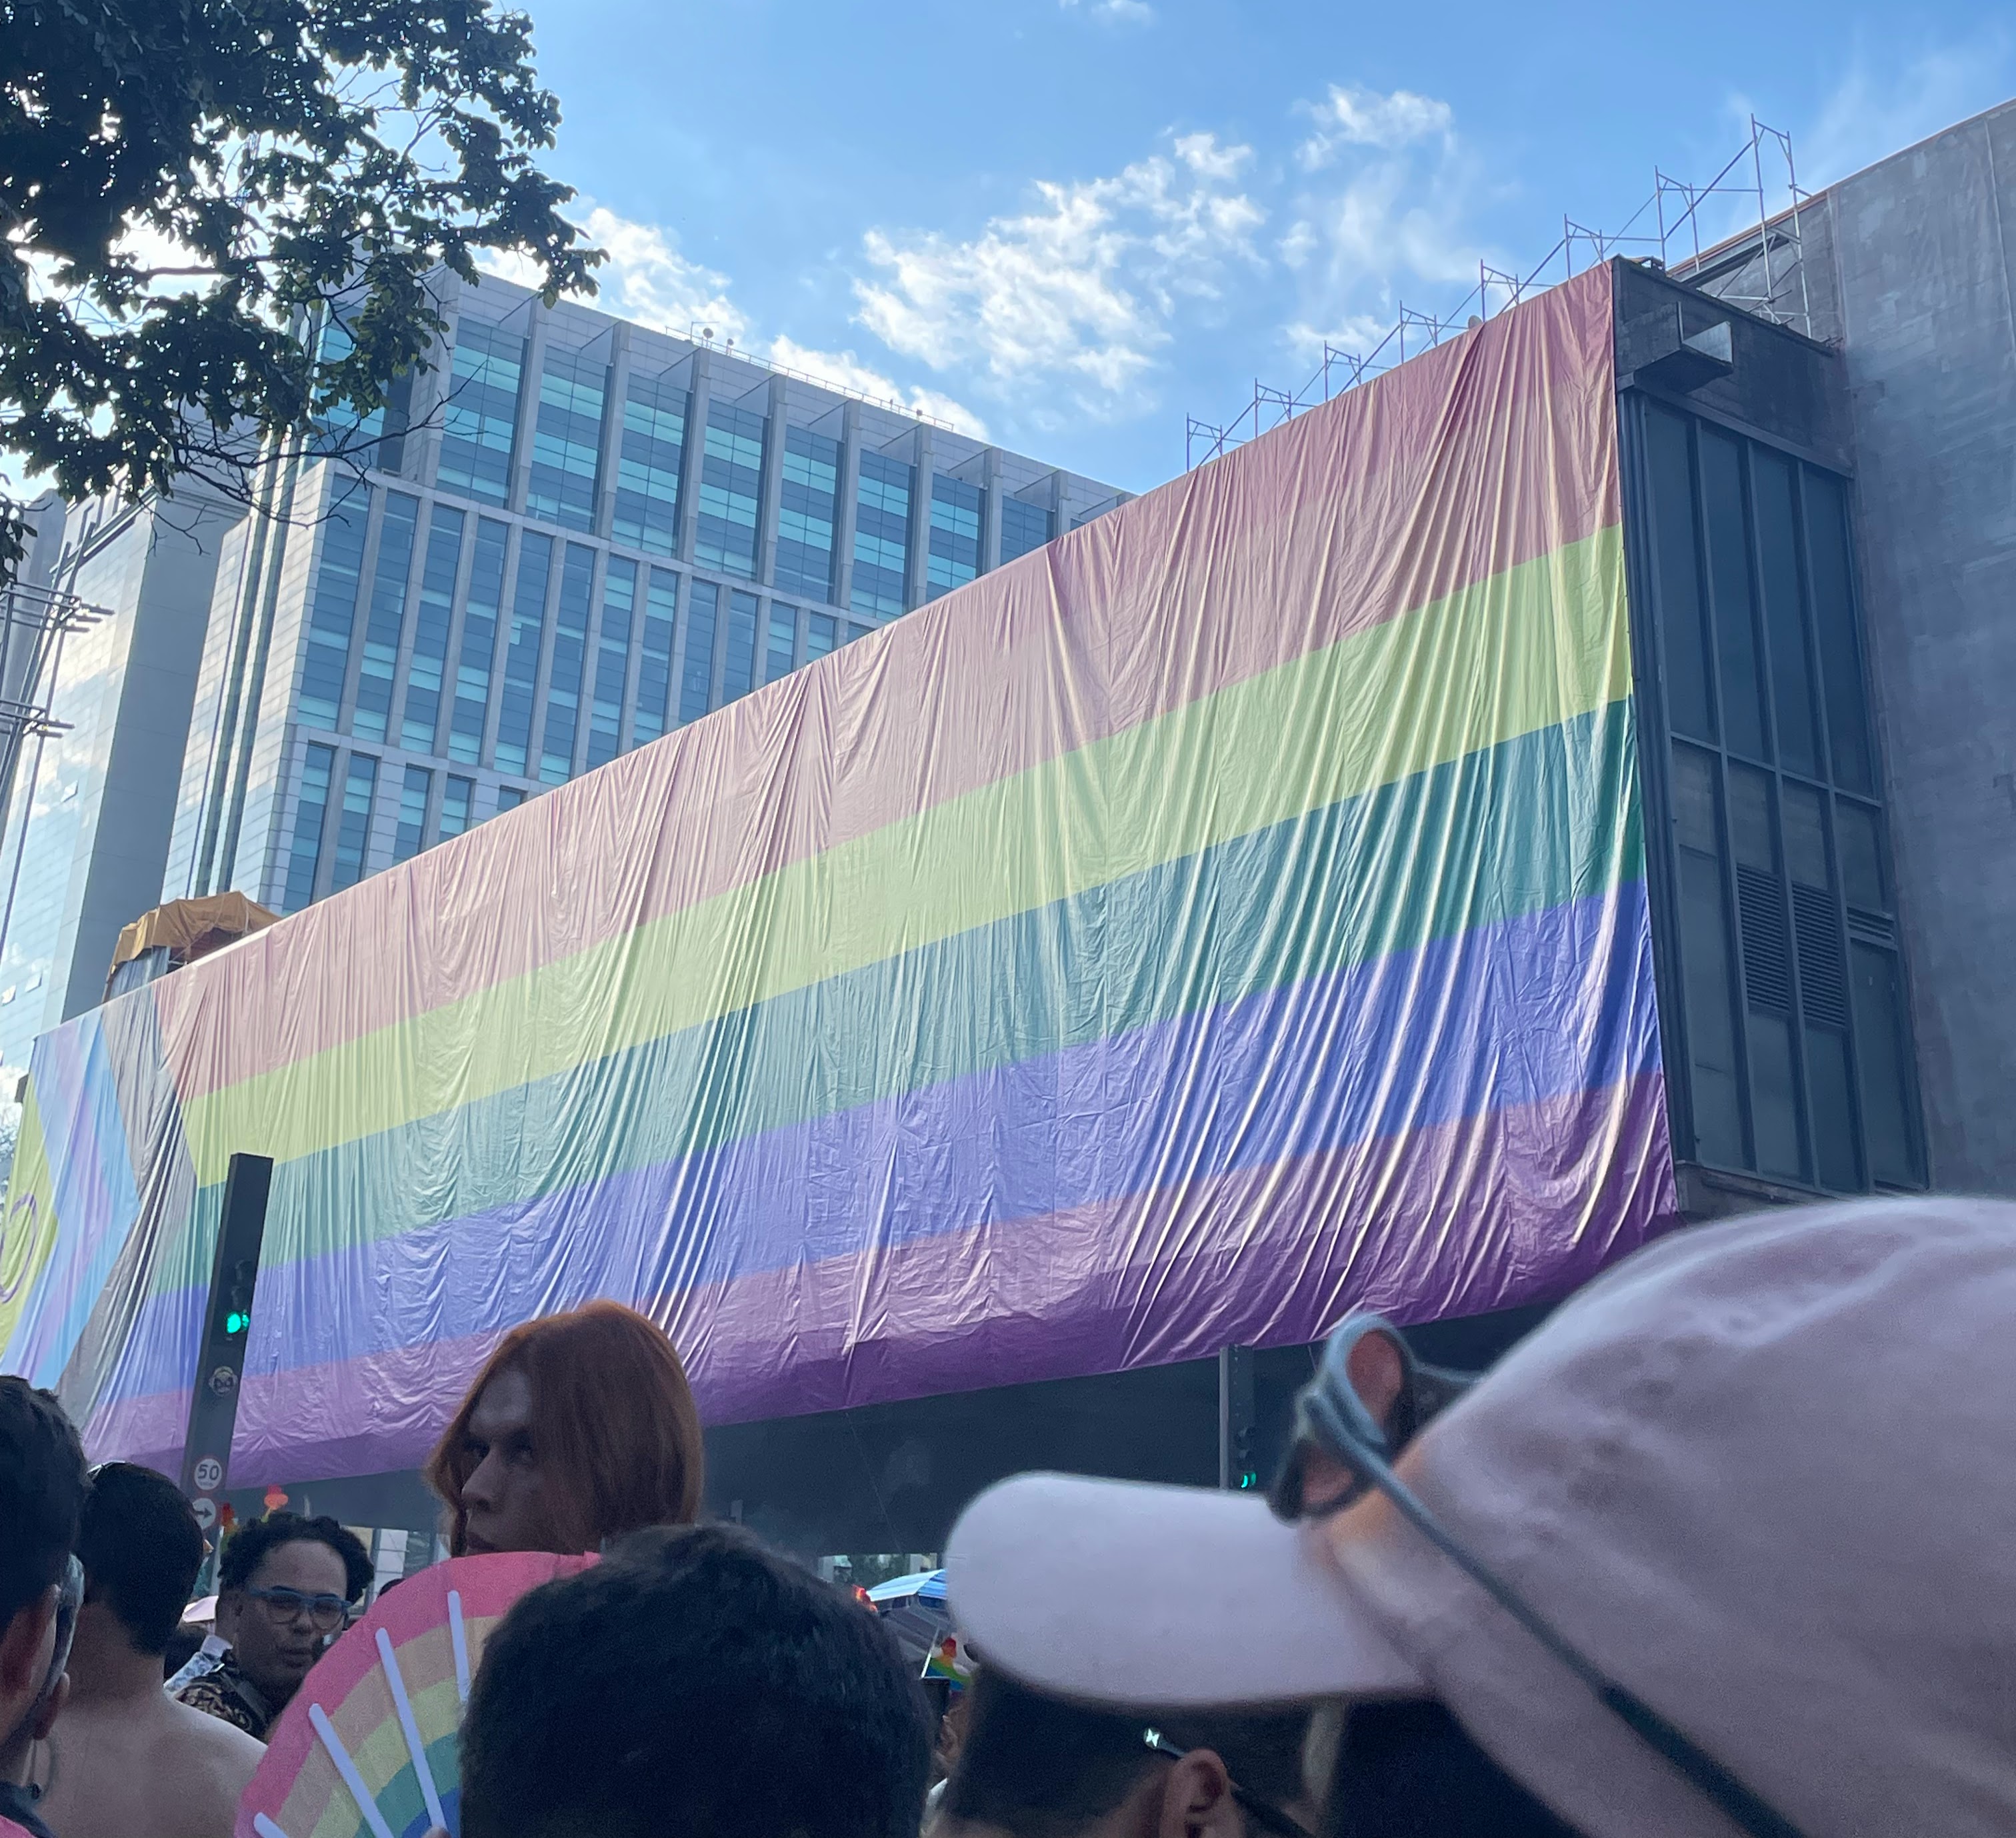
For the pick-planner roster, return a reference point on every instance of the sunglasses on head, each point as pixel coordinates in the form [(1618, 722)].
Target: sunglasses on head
[(1263, 1813), (69, 1598), (1368, 1399)]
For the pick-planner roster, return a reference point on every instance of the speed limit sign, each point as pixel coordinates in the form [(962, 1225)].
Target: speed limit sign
[(208, 1474)]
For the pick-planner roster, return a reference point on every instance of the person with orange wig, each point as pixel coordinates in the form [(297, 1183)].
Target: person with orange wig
[(579, 1427)]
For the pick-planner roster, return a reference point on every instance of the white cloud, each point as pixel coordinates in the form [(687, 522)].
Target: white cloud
[(1353, 116), (1132, 12), (1391, 221), (843, 370), (647, 279), (1202, 154), (510, 264), (1083, 288), (1880, 107), (1359, 334), (1385, 212)]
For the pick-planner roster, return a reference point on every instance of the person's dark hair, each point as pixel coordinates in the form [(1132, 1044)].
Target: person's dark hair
[(1409, 1768), (141, 1548), (695, 1683), (1042, 1769), (247, 1548), (41, 1493), (183, 1646)]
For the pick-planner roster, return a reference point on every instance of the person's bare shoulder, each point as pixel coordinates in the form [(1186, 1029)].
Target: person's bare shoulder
[(204, 1772)]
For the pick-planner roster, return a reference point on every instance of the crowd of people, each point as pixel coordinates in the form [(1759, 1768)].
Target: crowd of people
[(1722, 1546)]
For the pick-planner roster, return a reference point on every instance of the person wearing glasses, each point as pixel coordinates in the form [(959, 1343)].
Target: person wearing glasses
[(126, 1757), (1720, 1548), (285, 1585), (41, 1498)]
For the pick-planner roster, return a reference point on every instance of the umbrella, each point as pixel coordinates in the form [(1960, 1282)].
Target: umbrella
[(929, 1584), (913, 1608), (370, 1745)]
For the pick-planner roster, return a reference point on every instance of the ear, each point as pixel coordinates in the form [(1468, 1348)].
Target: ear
[(1377, 1370), (23, 1662), (1197, 1801)]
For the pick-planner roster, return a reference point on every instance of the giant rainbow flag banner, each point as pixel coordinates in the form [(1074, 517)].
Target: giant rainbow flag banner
[(1229, 914)]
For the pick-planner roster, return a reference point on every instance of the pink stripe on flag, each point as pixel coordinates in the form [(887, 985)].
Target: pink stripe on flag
[(1494, 449)]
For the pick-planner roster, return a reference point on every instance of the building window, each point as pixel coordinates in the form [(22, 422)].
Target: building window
[(738, 664), (567, 439), (648, 465), (569, 661), (881, 534), (458, 797), (310, 815), (362, 438), (781, 659), (654, 658), (819, 635), (332, 613), (1024, 527), (858, 631), (508, 798), (1788, 1051), (420, 713), (954, 560), (480, 418), (353, 828), (521, 655), (386, 625), (479, 643), (1850, 747), (807, 505), (411, 831), (696, 678), (731, 483), (612, 661)]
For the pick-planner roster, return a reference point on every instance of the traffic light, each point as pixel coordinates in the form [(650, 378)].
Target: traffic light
[(220, 1361), (240, 1281)]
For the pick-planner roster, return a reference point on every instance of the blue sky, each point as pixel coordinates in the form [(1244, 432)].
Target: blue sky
[(1069, 222)]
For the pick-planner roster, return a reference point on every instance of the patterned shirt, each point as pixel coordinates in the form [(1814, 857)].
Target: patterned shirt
[(225, 1692)]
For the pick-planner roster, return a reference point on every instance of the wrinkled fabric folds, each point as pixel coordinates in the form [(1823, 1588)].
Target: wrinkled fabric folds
[(1230, 913)]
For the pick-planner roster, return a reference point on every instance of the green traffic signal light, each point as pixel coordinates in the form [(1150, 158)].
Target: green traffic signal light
[(235, 1323)]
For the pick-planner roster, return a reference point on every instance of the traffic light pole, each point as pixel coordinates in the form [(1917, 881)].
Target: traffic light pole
[(1236, 1471), (220, 1363)]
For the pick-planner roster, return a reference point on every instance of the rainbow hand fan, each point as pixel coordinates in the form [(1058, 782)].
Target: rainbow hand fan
[(370, 1746)]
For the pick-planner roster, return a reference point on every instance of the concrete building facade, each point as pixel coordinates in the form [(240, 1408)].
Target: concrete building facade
[(1908, 270)]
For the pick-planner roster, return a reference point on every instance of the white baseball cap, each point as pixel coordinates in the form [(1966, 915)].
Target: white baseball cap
[(1762, 1474)]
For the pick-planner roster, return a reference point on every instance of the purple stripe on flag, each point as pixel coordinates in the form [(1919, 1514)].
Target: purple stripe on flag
[(1497, 1017), (1550, 1191)]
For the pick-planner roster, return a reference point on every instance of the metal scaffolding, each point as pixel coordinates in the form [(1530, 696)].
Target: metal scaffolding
[(1759, 268)]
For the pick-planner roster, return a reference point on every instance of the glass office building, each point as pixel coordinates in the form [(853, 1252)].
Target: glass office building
[(588, 535)]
